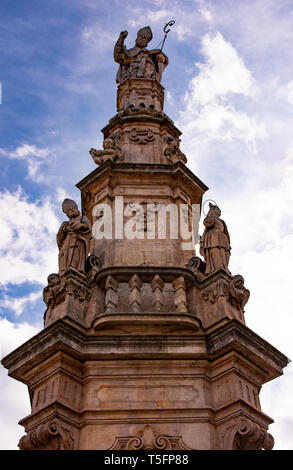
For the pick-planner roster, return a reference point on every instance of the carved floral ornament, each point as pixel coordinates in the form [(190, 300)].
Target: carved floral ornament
[(149, 439)]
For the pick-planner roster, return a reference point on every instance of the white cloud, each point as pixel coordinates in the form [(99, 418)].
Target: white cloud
[(27, 239), (17, 304), (204, 11), (211, 110), (96, 36), (169, 97), (15, 402), (223, 72), (34, 156), (13, 335), (290, 92)]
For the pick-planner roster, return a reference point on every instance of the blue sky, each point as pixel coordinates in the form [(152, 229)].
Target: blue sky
[(228, 87)]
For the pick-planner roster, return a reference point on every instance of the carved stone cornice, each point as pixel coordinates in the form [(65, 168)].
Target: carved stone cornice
[(146, 323), (139, 168), (162, 119), (146, 274), (232, 336)]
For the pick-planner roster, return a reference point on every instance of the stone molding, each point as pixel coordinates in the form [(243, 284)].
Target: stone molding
[(232, 336), (138, 168)]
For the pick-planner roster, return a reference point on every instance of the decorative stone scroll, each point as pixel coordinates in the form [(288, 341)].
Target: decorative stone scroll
[(249, 436), (47, 436), (238, 294), (141, 136), (197, 266), (149, 439)]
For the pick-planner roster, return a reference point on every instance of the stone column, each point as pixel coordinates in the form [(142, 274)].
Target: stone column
[(111, 297), (135, 285), (180, 294), (157, 286)]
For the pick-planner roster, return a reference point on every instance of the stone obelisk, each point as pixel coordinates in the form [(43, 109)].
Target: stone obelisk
[(144, 344)]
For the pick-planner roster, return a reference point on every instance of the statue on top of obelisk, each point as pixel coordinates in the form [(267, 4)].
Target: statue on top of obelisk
[(138, 62)]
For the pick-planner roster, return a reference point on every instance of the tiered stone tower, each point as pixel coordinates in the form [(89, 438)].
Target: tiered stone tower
[(145, 345)]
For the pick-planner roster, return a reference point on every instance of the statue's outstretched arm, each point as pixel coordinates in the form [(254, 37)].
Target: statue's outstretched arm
[(119, 47)]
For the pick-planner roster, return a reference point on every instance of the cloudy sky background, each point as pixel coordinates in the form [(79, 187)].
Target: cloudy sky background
[(229, 88)]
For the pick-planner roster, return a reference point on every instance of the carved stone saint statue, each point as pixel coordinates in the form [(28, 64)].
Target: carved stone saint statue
[(73, 239), (138, 62), (215, 241)]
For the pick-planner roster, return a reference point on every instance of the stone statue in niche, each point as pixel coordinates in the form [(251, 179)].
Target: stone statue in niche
[(73, 239), (215, 241), (111, 150), (172, 151), (138, 62)]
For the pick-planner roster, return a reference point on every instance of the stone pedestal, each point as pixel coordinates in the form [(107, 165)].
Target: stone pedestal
[(193, 388)]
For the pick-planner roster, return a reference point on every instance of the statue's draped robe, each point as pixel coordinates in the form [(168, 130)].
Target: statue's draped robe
[(215, 244), (73, 246)]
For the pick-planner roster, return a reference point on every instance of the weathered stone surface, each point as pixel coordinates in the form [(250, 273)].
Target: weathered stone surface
[(190, 383)]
